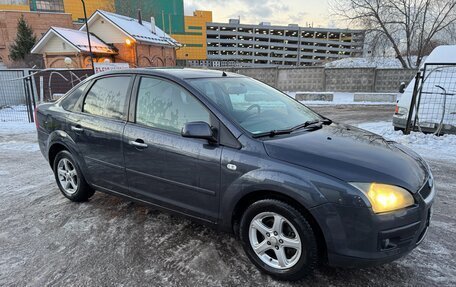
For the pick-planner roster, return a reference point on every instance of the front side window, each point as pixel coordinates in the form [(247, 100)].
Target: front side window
[(255, 106), (165, 105), (108, 97)]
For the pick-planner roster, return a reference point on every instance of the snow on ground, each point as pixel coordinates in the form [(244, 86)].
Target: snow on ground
[(18, 136), (13, 113), (427, 145), (19, 146), (8, 128)]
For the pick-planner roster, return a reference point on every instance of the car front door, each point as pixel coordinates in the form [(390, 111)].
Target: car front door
[(97, 130), (163, 167)]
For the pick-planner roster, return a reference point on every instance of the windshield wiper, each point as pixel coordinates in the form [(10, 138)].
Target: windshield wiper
[(313, 124), (326, 121), (316, 124), (272, 133)]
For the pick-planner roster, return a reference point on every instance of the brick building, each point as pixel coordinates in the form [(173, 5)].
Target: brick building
[(39, 21), (59, 44), (118, 38)]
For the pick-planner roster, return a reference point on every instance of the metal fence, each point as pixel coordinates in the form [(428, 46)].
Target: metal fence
[(433, 106), (16, 99), (51, 82), (21, 90)]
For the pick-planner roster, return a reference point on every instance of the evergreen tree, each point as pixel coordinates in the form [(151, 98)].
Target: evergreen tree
[(25, 40)]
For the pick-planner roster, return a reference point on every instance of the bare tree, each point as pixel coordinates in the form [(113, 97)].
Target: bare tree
[(451, 34), (408, 25)]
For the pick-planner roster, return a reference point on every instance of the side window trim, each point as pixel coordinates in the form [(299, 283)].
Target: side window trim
[(80, 102), (135, 96), (71, 93), (129, 95), (134, 100)]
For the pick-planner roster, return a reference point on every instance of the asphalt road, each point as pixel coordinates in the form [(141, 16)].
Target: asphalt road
[(46, 240)]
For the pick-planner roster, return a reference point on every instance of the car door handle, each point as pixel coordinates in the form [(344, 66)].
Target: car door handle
[(77, 128), (138, 143)]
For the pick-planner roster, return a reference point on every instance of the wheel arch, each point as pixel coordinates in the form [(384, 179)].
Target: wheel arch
[(54, 149), (60, 140), (245, 201)]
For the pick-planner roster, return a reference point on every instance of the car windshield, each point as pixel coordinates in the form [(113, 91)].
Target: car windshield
[(255, 106)]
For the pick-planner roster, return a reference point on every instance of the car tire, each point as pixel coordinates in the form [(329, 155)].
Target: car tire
[(69, 178), (295, 231)]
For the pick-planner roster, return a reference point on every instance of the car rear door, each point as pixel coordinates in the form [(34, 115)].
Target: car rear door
[(98, 130), (163, 167)]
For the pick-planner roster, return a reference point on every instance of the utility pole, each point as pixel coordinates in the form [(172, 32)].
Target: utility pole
[(88, 35)]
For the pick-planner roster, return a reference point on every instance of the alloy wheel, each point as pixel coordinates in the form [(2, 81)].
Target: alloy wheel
[(275, 240), (68, 176)]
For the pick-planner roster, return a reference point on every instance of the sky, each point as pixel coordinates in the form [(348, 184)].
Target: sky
[(277, 12)]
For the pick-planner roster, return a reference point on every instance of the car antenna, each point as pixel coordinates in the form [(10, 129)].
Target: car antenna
[(224, 74)]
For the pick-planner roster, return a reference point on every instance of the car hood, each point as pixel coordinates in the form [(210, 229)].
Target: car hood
[(351, 154)]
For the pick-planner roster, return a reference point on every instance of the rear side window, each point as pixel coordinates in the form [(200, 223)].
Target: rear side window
[(69, 102), (108, 97)]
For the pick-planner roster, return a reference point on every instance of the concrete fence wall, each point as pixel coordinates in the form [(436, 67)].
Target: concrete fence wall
[(319, 79)]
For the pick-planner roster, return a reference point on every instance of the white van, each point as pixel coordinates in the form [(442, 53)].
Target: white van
[(437, 109)]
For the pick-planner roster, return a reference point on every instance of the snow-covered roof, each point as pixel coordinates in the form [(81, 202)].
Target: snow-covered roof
[(75, 38), (445, 54), (442, 54), (140, 32)]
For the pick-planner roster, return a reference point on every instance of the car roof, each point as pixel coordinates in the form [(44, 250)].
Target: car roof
[(180, 73)]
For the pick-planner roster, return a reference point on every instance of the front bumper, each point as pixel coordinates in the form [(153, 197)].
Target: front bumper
[(356, 237)]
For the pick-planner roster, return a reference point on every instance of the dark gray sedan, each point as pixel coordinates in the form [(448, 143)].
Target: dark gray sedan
[(230, 151)]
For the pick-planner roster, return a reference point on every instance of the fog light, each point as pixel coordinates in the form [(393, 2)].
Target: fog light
[(389, 243)]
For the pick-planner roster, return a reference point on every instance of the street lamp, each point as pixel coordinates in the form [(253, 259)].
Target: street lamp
[(88, 35), (68, 61)]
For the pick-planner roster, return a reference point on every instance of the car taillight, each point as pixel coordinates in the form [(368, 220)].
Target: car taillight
[(35, 118), (396, 111)]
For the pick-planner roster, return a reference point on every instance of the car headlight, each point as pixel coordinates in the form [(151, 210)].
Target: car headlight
[(385, 197)]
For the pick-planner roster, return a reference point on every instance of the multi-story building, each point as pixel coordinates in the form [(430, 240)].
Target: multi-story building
[(193, 40), (236, 44), (73, 7), (17, 5)]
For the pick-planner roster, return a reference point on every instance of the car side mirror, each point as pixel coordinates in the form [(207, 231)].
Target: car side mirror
[(402, 88), (199, 130)]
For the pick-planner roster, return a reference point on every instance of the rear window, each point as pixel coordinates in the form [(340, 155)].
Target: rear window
[(108, 97), (69, 102)]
